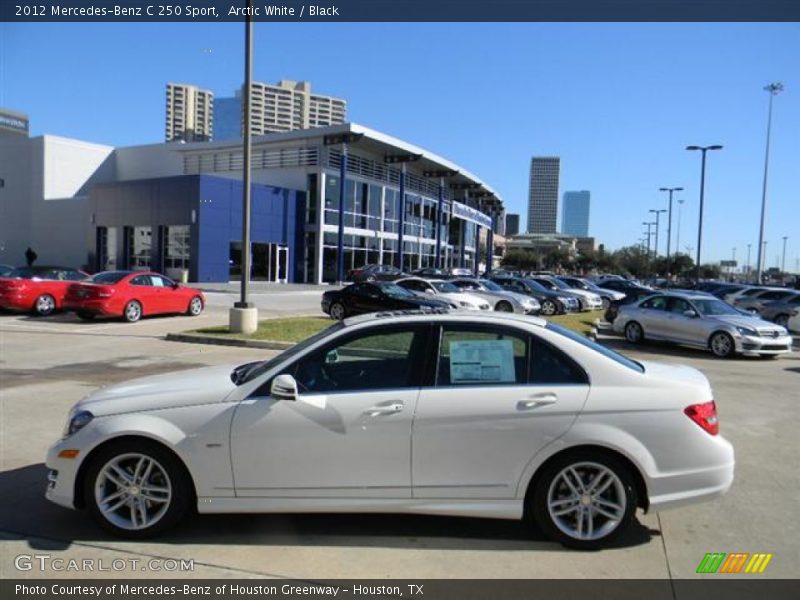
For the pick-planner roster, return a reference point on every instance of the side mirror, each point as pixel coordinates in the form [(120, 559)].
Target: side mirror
[(284, 387), (428, 291), (689, 313)]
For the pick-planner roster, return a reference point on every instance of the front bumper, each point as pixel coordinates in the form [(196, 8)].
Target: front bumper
[(62, 473), (752, 345)]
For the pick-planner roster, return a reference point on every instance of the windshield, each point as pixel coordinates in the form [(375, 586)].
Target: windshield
[(560, 284), (607, 352), (491, 286), (395, 291), (445, 287), (535, 285), (578, 284), (547, 284), (249, 371), (107, 277), (712, 307)]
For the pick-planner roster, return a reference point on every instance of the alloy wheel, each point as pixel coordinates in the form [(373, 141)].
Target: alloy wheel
[(337, 311), (722, 345), (549, 308), (195, 306), (587, 501), (633, 332), (504, 307), (133, 491), (133, 311), (45, 304)]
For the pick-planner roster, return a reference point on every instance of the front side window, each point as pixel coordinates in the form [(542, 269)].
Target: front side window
[(141, 280), (364, 362), (476, 356)]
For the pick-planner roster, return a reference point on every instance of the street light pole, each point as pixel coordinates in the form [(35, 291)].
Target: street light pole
[(658, 214), (702, 149), (783, 260), (669, 225), (678, 237), (748, 261), (774, 89)]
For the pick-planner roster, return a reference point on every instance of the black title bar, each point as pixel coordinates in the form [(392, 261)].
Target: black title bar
[(399, 10)]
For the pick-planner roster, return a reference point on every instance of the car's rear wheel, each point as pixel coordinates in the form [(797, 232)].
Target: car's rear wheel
[(132, 312), (45, 305), (136, 489), (549, 308), (86, 316), (722, 345), (504, 306), (195, 306), (584, 500), (337, 311), (782, 320), (634, 333)]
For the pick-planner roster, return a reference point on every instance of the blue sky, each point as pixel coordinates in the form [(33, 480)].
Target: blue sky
[(617, 102)]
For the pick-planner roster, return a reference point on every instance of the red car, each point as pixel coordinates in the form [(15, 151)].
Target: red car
[(131, 295), (39, 290)]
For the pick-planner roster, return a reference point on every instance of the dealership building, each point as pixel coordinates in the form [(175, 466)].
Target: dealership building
[(317, 194)]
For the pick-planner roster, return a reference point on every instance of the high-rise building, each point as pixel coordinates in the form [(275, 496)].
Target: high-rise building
[(512, 224), (575, 213), (287, 106), (189, 113), (543, 194)]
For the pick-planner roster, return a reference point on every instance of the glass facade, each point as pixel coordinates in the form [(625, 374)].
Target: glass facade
[(176, 245), (140, 248)]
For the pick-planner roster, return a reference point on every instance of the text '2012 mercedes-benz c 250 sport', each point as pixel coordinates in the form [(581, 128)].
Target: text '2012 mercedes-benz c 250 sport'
[(479, 414)]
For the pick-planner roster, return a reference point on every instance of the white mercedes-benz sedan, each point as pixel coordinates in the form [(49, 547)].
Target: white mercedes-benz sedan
[(474, 414)]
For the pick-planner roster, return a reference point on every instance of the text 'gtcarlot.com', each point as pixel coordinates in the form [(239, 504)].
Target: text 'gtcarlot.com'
[(45, 562)]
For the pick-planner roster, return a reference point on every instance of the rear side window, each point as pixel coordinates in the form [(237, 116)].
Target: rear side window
[(549, 365), (657, 303), (141, 280)]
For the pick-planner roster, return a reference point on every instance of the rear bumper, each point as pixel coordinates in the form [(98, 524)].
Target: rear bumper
[(95, 307)]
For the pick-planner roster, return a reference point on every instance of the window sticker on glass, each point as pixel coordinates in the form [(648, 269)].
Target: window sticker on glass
[(482, 360)]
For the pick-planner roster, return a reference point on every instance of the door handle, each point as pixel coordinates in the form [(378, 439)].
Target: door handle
[(384, 409), (537, 400)]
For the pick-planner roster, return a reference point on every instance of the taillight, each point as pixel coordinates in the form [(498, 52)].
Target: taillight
[(704, 415), (105, 292)]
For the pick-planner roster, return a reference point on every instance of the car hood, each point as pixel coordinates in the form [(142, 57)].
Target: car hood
[(458, 297), (522, 298), (745, 321), (169, 390), (582, 293), (613, 293)]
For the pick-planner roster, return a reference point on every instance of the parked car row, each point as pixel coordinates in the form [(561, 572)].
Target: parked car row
[(43, 290)]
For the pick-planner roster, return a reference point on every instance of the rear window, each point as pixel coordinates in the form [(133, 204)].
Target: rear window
[(108, 277), (607, 352)]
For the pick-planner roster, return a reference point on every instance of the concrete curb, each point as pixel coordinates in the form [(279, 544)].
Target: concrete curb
[(189, 338)]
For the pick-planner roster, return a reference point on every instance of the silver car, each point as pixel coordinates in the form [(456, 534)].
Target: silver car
[(498, 298), (701, 321), (756, 302)]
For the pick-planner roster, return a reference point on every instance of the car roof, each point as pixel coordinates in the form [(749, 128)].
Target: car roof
[(439, 314), (688, 295)]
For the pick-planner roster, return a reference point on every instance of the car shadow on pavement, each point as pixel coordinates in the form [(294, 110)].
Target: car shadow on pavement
[(26, 514)]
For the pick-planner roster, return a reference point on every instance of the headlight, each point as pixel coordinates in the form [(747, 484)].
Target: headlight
[(77, 421), (746, 331)]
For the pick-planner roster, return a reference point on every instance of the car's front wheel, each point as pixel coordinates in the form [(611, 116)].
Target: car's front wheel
[(504, 306), (722, 345), (45, 305), (195, 306), (549, 308), (136, 489), (634, 333), (337, 311), (584, 500)]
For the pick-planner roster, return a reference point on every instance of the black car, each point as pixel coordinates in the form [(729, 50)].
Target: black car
[(375, 273), (632, 295), (366, 297), (623, 285), (553, 303), (431, 272)]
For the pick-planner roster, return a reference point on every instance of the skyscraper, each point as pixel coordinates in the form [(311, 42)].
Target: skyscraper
[(189, 113), (512, 224), (575, 214), (286, 106), (543, 194)]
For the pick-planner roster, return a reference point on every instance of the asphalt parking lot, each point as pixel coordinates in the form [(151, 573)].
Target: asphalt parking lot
[(46, 365)]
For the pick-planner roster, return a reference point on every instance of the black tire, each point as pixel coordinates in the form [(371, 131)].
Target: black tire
[(195, 307), (181, 495), (634, 333), (132, 311), (86, 316), (337, 311), (504, 306), (45, 305), (620, 492), (721, 345), (549, 308)]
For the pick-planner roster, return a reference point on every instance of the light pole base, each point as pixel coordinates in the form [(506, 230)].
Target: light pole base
[(243, 320)]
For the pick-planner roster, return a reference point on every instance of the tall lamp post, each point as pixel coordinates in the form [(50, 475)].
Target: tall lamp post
[(678, 236), (658, 214), (669, 217), (783, 260), (748, 261), (702, 149), (244, 315), (774, 89)]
